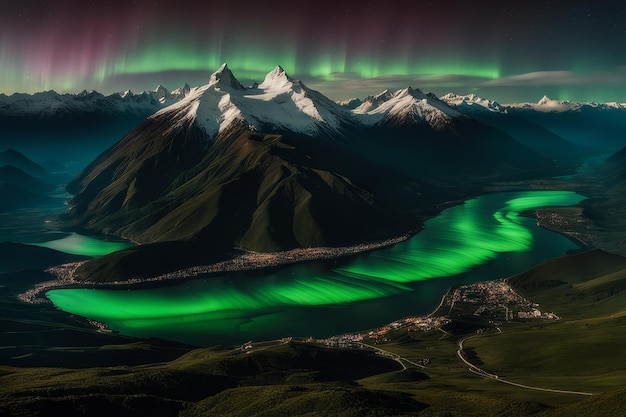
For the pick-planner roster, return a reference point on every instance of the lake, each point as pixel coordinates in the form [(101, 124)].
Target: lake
[(484, 238)]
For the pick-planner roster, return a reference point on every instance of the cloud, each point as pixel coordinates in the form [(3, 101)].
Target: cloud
[(560, 78), (342, 86), (598, 85)]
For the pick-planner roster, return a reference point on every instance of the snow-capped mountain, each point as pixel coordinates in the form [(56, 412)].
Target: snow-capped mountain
[(278, 104), (548, 105), (50, 104), (351, 103), (473, 102), (161, 93), (406, 107), (180, 93), (506, 119), (372, 102)]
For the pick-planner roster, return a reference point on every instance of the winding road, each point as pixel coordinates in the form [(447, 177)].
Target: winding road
[(476, 370), (392, 355)]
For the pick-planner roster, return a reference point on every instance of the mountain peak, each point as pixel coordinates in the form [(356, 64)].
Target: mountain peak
[(545, 100), (224, 77), (276, 78), (472, 101), (383, 94), (278, 72), (416, 93), (407, 106)]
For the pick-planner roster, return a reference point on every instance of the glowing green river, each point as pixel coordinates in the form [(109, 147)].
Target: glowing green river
[(484, 238)]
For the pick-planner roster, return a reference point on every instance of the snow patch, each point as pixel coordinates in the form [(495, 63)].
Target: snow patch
[(406, 106), (473, 101)]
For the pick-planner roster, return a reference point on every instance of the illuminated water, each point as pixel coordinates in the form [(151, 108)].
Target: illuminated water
[(84, 245), (481, 239)]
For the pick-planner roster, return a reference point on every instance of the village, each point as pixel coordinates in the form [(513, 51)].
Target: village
[(490, 299), (494, 300)]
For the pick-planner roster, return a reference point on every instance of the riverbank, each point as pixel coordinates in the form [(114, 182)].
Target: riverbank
[(65, 275), (568, 222)]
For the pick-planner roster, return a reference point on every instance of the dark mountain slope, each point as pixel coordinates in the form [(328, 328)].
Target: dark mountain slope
[(536, 137), (138, 168), (249, 190), (467, 152), (423, 137), (20, 185), (18, 160), (17, 256), (19, 178)]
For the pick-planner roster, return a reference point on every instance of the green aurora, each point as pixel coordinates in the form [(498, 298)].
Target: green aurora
[(508, 52), (252, 61)]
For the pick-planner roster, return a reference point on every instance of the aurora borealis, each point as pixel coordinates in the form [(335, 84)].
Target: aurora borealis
[(504, 50), (459, 239)]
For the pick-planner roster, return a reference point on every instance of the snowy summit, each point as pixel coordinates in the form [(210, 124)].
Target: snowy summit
[(279, 104)]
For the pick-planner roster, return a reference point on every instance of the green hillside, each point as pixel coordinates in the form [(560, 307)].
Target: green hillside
[(582, 352)]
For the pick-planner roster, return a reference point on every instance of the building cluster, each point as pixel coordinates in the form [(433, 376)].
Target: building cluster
[(247, 261), (63, 276), (349, 340), (492, 299), (536, 314)]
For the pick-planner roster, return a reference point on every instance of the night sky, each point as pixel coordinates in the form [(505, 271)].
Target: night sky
[(503, 50)]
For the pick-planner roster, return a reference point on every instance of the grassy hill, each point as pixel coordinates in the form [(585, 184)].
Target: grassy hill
[(582, 350), (293, 378)]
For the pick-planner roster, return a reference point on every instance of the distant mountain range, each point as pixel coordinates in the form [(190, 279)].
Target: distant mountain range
[(51, 103), (74, 128), (91, 120), (588, 125)]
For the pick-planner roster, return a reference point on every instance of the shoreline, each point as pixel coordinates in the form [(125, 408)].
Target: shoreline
[(64, 275), (254, 260), (560, 224)]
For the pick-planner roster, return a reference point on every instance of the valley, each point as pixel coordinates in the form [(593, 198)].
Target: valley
[(227, 255)]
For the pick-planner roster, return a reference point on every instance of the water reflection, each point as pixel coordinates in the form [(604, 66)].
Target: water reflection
[(304, 299)]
